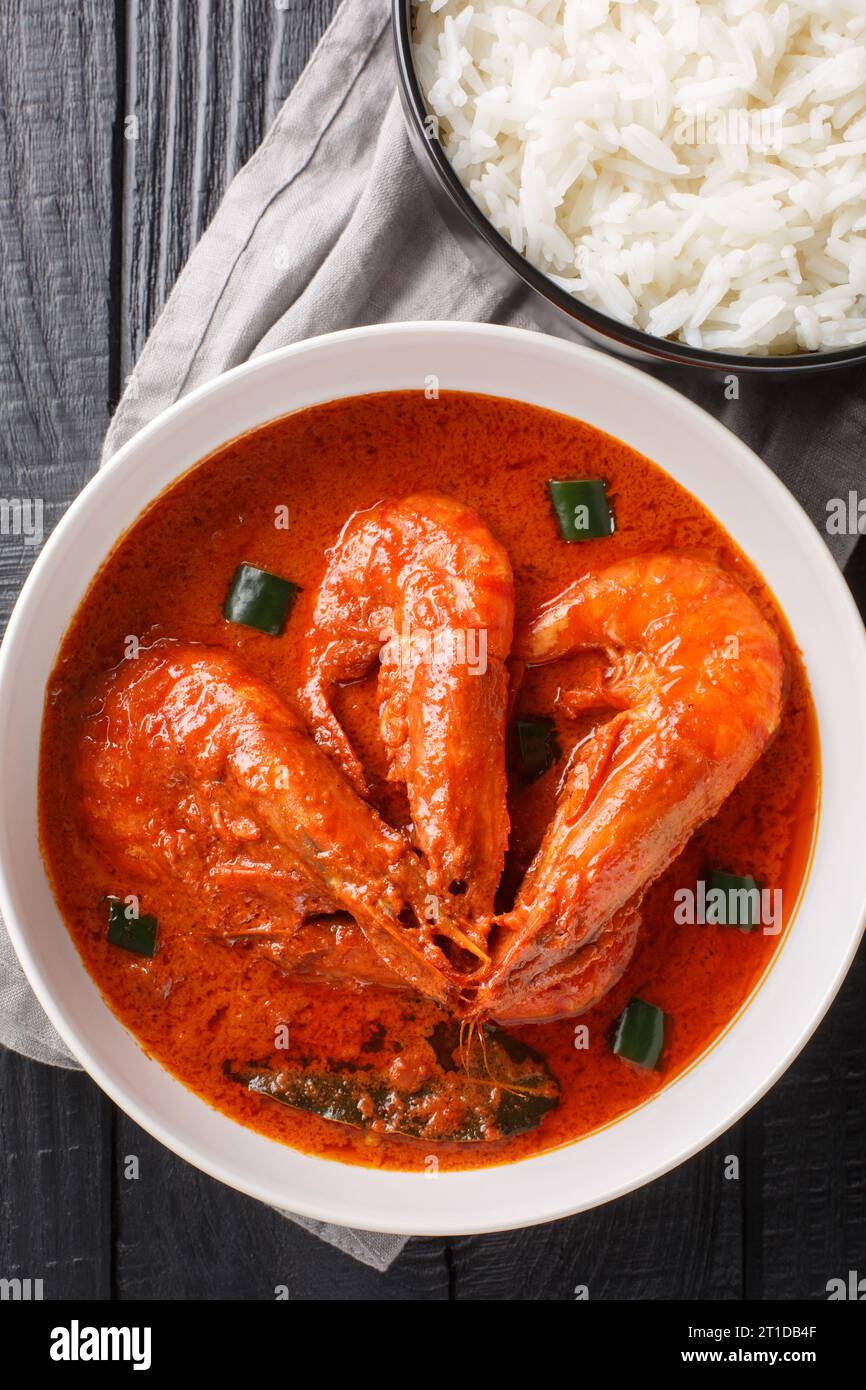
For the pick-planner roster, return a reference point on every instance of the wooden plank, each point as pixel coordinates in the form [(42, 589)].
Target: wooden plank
[(203, 81), (814, 1219), (57, 118), (55, 1179), (57, 76), (680, 1237), (814, 1208), (180, 1235)]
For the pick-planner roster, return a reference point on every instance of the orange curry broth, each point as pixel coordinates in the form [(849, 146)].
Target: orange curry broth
[(197, 1004)]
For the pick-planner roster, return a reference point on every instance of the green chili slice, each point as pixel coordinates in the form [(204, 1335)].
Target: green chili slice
[(581, 508), (639, 1033), (742, 899), (259, 599)]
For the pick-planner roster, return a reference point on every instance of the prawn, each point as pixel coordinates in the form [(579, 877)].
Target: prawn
[(422, 586), (192, 770), (695, 679)]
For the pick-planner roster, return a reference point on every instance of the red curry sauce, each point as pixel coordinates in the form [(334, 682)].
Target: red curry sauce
[(196, 1003)]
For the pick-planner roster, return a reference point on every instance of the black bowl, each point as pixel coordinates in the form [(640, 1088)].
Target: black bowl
[(498, 260)]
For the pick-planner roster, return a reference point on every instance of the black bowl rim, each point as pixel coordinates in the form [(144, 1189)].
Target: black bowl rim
[(661, 348)]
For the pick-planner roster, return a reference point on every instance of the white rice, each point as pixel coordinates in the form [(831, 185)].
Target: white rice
[(694, 168)]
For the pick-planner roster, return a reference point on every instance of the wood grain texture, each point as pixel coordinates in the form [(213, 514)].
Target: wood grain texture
[(814, 1123), (815, 1157), (180, 1235), (57, 78), (55, 1179), (204, 80), (678, 1238)]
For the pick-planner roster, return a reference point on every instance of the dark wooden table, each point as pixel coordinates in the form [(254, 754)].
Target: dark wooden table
[(95, 227)]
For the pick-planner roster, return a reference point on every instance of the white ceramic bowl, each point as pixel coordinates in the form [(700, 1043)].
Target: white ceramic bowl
[(757, 511)]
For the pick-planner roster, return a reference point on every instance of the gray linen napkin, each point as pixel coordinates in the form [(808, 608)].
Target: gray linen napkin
[(330, 225)]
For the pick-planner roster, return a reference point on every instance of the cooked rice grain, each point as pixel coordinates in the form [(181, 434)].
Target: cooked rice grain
[(694, 168)]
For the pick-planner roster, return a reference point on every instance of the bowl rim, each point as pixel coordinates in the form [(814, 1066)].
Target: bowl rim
[(664, 349), (351, 1211)]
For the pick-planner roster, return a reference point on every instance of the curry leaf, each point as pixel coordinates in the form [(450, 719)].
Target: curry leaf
[(486, 1088)]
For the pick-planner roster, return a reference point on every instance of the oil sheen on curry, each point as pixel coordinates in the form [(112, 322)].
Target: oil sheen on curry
[(427, 777)]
